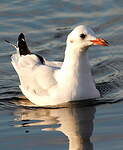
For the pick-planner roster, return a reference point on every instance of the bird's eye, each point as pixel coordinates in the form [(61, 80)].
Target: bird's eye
[(83, 36)]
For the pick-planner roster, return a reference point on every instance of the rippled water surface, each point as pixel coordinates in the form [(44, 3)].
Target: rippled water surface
[(46, 23)]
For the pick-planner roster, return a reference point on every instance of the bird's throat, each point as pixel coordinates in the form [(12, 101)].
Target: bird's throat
[(76, 63), (76, 77)]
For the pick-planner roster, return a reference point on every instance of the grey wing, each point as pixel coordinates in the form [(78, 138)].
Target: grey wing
[(32, 74)]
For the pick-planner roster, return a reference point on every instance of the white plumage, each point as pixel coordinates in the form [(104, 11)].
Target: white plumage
[(52, 83)]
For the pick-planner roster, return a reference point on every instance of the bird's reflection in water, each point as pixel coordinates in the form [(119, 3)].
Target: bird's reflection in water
[(75, 121)]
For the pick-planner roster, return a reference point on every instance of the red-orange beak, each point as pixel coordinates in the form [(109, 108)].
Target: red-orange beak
[(99, 41)]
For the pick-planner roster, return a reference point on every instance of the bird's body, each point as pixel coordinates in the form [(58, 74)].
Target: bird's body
[(51, 83)]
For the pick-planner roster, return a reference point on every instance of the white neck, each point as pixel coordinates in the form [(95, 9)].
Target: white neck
[(76, 63), (76, 74)]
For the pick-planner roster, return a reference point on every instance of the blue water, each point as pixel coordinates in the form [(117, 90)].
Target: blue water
[(46, 24)]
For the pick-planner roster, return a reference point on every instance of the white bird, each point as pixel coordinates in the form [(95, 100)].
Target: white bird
[(52, 83)]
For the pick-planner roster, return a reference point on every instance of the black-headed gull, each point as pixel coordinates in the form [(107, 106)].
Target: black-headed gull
[(52, 83)]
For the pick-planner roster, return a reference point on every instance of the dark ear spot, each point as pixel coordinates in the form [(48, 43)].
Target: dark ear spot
[(71, 41)]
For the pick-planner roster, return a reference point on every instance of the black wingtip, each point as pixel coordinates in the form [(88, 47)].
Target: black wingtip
[(23, 48), (21, 37)]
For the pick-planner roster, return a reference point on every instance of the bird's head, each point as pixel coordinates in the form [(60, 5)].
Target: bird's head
[(82, 37)]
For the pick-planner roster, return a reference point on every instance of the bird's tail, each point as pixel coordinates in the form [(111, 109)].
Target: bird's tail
[(15, 57), (21, 47), (13, 45)]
